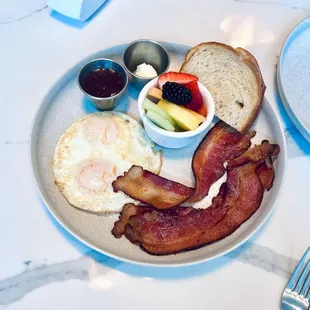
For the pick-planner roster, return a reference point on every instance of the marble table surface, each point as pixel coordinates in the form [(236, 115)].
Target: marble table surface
[(42, 266)]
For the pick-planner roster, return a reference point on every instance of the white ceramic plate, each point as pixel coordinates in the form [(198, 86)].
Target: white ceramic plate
[(64, 103), (293, 77)]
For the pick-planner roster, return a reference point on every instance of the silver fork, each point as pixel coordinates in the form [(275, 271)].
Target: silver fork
[(296, 295)]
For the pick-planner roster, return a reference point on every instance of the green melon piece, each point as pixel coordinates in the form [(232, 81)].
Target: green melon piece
[(148, 105), (160, 121)]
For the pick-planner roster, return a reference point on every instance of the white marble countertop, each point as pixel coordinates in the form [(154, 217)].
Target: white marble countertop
[(42, 266)]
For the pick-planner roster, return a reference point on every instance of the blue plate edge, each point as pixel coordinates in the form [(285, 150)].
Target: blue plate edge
[(303, 129)]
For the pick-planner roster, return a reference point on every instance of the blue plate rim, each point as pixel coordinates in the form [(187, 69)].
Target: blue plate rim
[(303, 129)]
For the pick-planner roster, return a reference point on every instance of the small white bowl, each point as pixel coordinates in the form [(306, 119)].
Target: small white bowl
[(174, 140)]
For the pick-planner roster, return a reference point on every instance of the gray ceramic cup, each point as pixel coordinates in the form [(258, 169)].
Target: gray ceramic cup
[(107, 103), (145, 51)]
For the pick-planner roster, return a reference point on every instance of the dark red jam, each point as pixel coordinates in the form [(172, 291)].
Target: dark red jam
[(103, 82)]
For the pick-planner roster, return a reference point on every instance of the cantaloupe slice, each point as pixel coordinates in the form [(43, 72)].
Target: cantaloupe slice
[(155, 93)]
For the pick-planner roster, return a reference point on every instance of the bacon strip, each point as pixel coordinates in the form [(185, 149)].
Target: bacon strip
[(129, 209), (266, 175), (220, 144), (153, 228), (171, 231), (152, 189), (262, 153)]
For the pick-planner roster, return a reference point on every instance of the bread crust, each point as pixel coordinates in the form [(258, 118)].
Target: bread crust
[(262, 87), (252, 63)]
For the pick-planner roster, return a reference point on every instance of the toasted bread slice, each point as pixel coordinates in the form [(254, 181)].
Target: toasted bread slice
[(234, 79), (249, 57)]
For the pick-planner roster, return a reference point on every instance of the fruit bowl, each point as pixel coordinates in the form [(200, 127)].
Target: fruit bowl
[(175, 139)]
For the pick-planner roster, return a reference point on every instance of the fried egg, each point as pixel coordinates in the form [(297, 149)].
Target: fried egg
[(93, 151)]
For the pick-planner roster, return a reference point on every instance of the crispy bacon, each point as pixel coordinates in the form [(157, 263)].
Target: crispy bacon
[(153, 228), (266, 175), (220, 144), (151, 188), (171, 231), (129, 209), (262, 153)]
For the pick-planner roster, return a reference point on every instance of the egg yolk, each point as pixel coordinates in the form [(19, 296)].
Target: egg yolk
[(100, 129), (96, 175)]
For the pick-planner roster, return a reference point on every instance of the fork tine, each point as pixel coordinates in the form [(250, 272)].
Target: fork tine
[(306, 285), (302, 283), (295, 276), (308, 295)]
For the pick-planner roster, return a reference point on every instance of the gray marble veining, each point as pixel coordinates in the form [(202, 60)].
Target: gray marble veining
[(14, 142), (23, 16), (297, 5), (265, 258), (16, 287)]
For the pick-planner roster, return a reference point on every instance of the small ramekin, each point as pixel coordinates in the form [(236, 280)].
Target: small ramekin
[(103, 103), (145, 51), (175, 140)]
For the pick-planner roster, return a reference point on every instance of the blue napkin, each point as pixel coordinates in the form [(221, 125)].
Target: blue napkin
[(77, 9)]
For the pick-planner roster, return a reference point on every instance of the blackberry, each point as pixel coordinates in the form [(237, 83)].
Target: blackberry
[(176, 93)]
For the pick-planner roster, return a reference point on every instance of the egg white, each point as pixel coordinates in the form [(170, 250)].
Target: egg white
[(93, 151)]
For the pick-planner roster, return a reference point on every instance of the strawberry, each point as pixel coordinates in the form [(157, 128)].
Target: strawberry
[(202, 110), (196, 103), (181, 78)]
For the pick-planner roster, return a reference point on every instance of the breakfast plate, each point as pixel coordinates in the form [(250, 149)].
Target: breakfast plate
[(64, 103), (292, 76)]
